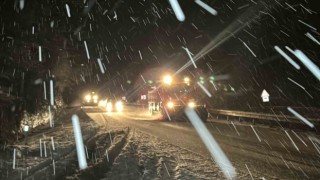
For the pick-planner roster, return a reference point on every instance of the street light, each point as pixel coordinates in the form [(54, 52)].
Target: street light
[(26, 131), (167, 79), (26, 128)]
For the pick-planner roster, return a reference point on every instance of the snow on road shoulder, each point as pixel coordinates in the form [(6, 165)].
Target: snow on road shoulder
[(147, 157)]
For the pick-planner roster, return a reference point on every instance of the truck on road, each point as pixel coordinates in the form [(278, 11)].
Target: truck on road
[(170, 98)]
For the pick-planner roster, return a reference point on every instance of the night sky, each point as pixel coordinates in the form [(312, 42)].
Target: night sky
[(133, 37)]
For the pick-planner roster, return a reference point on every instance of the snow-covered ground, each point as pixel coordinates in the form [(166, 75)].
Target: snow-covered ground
[(114, 150), (147, 157), (117, 153)]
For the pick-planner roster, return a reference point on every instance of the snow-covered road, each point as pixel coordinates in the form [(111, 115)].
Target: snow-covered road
[(283, 154), (135, 145)]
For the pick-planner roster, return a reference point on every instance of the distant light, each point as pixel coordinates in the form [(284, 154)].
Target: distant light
[(109, 107), (150, 81), (128, 81), (211, 77), (191, 104), (102, 103), (167, 79), (186, 80), (170, 105), (26, 128), (87, 98), (119, 106)]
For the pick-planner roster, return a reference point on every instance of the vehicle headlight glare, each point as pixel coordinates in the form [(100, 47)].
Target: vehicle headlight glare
[(119, 106), (101, 103), (87, 97), (191, 104), (109, 107), (170, 105)]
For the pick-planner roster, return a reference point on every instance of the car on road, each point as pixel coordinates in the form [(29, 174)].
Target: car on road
[(112, 105), (90, 99)]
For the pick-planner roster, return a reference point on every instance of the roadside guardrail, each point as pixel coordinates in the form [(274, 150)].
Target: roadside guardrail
[(261, 116)]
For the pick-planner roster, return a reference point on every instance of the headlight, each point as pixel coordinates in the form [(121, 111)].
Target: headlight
[(191, 104), (119, 106), (102, 103), (87, 98), (95, 98), (170, 105), (109, 107), (187, 80)]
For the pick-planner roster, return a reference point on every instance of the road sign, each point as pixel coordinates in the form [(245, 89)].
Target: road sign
[(265, 96)]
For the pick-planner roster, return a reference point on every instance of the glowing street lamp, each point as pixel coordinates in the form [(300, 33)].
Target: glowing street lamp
[(167, 80), (26, 131), (26, 128)]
